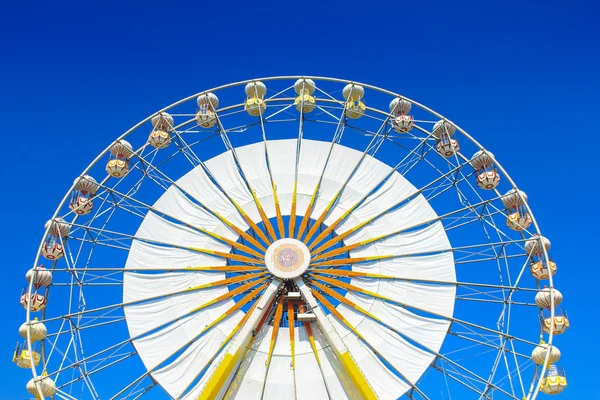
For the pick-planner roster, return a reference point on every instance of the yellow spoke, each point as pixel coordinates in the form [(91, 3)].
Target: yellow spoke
[(230, 268), (311, 338), (237, 306), (334, 311), (227, 281), (348, 286), (228, 256), (230, 294)]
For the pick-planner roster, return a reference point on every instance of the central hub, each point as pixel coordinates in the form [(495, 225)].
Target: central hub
[(287, 258)]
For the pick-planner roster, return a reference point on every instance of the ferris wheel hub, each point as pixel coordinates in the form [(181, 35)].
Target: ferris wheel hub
[(287, 258)]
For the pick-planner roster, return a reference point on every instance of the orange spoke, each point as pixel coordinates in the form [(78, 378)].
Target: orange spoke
[(291, 325), (276, 321), (307, 214)]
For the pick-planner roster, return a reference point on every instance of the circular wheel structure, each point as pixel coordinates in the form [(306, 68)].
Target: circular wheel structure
[(293, 238)]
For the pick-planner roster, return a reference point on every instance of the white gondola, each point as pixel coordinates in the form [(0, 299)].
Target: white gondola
[(446, 145), (207, 110), (354, 106), (163, 122), (40, 276), (540, 268), (255, 103), (45, 384), (86, 185), (35, 302), (305, 101), (488, 177), (402, 121), (543, 298), (518, 217), (58, 227), (541, 351), (118, 164)]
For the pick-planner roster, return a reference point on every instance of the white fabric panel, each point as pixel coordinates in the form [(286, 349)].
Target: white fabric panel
[(143, 255), (428, 239), (280, 379), (409, 360), (431, 298), (385, 384), (159, 346), (198, 185), (253, 161), (144, 286), (179, 374), (177, 205), (252, 375), (329, 366), (309, 381), (427, 332), (225, 172), (156, 228), (438, 299), (431, 267), (395, 190), (167, 309), (282, 156)]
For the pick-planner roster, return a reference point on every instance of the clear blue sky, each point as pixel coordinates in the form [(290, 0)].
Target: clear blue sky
[(522, 77)]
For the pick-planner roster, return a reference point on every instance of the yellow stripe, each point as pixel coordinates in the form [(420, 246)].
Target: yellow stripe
[(228, 256), (357, 377), (352, 273), (220, 376), (232, 243), (231, 268)]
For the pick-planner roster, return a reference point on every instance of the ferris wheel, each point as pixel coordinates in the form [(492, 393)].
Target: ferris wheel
[(293, 238)]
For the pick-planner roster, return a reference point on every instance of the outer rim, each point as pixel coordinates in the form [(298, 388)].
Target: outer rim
[(535, 387)]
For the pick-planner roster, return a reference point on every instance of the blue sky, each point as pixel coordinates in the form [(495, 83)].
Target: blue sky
[(519, 76)]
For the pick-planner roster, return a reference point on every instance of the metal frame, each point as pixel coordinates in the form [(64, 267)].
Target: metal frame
[(450, 179)]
